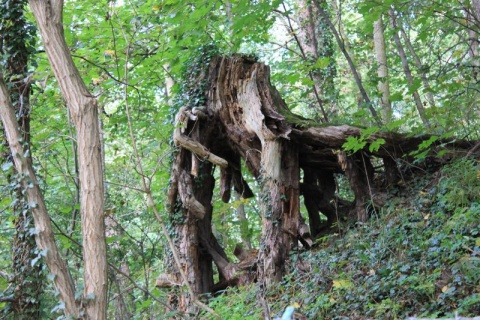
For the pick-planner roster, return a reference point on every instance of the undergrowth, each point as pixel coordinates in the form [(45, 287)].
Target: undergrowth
[(420, 256)]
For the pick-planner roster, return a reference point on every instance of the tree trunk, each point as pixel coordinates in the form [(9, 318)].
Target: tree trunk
[(192, 184), (244, 228), (341, 44), (407, 70), (359, 170), (27, 279), (318, 189), (314, 43), (472, 15), (383, 83), (122, 300), (420, 67), (84, 111), (45, 241)]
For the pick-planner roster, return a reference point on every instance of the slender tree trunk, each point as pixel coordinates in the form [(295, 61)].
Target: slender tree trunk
[(473, 21), (75, 211), (383, 82), (308, 50), (45, 241), (476, 9), (121, 301), (28, 277), (406, 69), (84, 111), (242, 219), (420, 67), (341, 44), (314, 43)]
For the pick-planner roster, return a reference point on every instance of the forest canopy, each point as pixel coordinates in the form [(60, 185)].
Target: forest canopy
[(156, 153)]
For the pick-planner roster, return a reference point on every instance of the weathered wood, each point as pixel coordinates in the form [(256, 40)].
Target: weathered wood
[(239, 184), (318, 189), (188, 143), (392, 174), (225, 184), (245, 118), (247, 145), (166, 280), (198, 149), (304, 235), (173, 184), (280, 207), (195, 136), (187, 196), (359, 170)]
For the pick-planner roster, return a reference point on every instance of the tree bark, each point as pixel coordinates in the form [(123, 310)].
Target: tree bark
[(318, 189), (359, 170), (407, 70), (383, 83), (420, 67), (84, 111), (27, 280), (314, 43), (45, 241), (472, 15)]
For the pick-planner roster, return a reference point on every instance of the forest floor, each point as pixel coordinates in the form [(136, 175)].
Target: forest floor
[(417, 256)]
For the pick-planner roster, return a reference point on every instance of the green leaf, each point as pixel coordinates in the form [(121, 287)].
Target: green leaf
[(398, 96), (322, 63), (395, 125), (369, 131), (427, 143), (375, 145), (417, 83), (354, 144)]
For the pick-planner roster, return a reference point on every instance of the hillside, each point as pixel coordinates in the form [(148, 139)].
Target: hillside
[(419, 256)]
